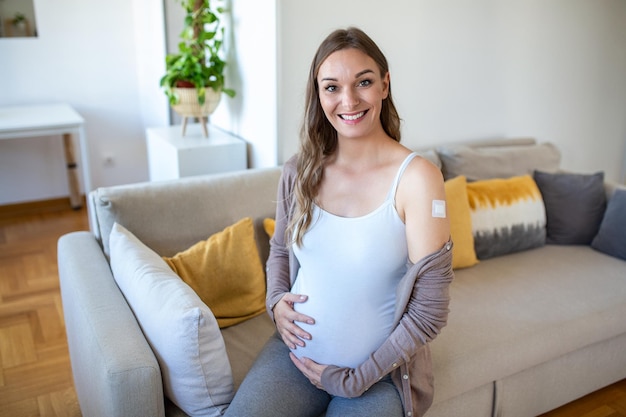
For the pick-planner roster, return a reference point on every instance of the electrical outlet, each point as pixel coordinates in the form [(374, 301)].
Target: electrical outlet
[(108, 160)]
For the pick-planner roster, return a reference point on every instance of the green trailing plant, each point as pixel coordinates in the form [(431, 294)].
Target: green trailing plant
[(198, 63)]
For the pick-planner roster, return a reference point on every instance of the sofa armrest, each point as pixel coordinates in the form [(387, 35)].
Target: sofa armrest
[(115, 372)]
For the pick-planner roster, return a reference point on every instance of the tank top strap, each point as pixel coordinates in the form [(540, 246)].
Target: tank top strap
[(396, 181)]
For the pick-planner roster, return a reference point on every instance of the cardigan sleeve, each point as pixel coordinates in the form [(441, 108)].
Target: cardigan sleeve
[(277, 270), (424, 317)]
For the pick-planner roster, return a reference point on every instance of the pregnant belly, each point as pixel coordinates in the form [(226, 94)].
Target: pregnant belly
[(346, 330)]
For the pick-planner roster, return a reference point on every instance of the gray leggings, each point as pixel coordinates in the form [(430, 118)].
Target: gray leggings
[(274, 387)]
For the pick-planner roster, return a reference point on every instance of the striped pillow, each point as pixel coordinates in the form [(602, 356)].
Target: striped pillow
[(508, 215)]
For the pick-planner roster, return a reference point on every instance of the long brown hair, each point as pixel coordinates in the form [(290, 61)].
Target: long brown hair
[(318, 136)]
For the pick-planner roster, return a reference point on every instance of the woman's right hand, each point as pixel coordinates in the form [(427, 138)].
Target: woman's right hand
[(285, 317)]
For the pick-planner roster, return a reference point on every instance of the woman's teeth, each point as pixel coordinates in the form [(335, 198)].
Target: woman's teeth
[(353, 116)]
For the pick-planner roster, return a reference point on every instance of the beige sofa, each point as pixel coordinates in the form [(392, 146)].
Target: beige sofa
[(528, 331)]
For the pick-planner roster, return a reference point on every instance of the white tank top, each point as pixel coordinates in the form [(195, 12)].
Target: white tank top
[(349, 269)]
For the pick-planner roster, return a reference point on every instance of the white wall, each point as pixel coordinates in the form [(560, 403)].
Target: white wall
[(106, 61), (250, 52), (84, 55), (565, 67), (252, 59), (150, 50), (471, 69)]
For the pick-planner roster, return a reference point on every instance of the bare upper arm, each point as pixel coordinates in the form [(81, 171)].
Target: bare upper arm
[(420, 185)]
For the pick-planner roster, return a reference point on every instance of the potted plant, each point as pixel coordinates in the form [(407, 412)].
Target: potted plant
[(194, 77)]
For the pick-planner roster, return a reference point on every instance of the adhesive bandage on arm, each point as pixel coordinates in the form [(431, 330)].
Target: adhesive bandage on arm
[(439, 209)]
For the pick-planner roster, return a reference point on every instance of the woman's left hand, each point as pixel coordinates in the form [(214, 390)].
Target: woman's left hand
[(312, 370)]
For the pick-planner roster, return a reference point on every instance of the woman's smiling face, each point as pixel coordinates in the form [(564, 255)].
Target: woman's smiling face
[(351, 92)]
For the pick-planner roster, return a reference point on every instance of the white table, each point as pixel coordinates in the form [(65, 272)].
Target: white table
[(172, 155), (48, 120)]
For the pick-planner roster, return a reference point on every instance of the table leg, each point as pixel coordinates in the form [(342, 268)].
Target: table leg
[(72, 172), (203, 122), (184, 125)]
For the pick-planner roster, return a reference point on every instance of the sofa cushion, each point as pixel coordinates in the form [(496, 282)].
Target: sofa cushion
[(226, 272), (179, 327), (463, 252), (244, 343), (480, 163), (508, 215), (170, 216), (516, 311), (611, 238), (575, 205)]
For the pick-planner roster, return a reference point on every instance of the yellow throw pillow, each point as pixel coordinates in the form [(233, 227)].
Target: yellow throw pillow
[(226, 272), (463, 252), (268, 226)]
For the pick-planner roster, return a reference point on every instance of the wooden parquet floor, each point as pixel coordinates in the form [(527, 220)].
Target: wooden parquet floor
[(35, 372)]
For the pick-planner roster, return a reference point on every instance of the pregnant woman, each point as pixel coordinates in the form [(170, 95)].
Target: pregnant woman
[(360, 261)]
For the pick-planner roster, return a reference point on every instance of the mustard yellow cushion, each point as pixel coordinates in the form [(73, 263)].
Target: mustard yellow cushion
[(463, 253), (226, 272), (508, 215), (268, 226)]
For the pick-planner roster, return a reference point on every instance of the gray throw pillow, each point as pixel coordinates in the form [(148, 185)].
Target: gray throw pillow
[(487, 162), (611, 238), (575, 205)]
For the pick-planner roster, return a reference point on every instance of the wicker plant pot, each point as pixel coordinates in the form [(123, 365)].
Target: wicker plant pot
[(188, 106)]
